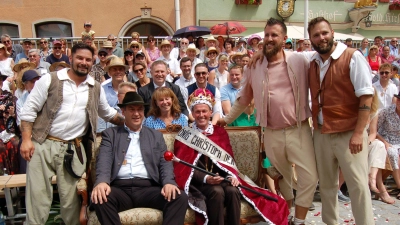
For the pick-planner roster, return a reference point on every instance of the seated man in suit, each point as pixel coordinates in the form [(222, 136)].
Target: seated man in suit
[(159, 74), (131, 171), (208, 147)]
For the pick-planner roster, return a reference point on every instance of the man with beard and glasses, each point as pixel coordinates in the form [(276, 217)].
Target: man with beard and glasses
[(60, 115), (341, 95), (279, 86)]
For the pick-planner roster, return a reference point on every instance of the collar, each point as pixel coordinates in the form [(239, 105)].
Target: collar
[(208, 131), (340, 47), (187, 80), (63, 75), (130, 131), (156, 86), (232, 87), (164, 59), (392, 47)]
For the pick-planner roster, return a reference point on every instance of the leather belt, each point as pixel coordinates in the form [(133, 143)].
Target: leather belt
[(77, 142)]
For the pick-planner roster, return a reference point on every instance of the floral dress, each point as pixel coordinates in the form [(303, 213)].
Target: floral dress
[(389, 129), (157, 123)]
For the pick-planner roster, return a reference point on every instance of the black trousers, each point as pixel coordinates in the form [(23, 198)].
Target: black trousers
[(218, 197), (135, 193)]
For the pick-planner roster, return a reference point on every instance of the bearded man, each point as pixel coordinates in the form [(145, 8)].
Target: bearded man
[(282, 109)]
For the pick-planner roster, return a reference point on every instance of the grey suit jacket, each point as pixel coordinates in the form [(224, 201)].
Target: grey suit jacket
[(114, 145)]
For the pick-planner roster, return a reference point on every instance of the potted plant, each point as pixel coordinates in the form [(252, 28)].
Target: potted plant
[(395, 5), (248, 2)]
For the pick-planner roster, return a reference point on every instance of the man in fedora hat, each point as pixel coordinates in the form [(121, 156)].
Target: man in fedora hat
[(142, 177), (108, 46), (60, 115), (192, 52), (27, 45), (173, 64), (209, 42), (57, 55)]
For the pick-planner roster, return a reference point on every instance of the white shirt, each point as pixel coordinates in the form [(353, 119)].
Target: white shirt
[(183, 82), (359, 72), (385, 96), (133, 165), (173, 64), (71, 119), (194, 63)]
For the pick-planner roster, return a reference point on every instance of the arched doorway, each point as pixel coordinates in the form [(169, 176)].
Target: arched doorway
[(146, 28)]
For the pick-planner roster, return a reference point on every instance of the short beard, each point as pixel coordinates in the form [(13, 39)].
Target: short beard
[(272, 52), (324, 50), (77, 72)]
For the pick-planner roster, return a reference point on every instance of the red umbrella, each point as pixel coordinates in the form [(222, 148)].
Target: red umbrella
[(228, 28)]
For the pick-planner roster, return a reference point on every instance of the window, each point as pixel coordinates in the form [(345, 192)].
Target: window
[(10, 29), (53, 29), (145, 29)]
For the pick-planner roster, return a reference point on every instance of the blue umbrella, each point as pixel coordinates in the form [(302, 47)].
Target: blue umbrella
[(195, 31)]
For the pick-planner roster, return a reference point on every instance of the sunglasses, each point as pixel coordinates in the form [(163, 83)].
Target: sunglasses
[(56, 47), (134, 46), (111, 39), (184, 43), (150, 40), (130, 54), (200, 73), (43, 42), (384, 72), (138, 70), (8, 41), (102, 55)]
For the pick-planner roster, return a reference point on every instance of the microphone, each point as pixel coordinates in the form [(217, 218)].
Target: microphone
[(169, 156)]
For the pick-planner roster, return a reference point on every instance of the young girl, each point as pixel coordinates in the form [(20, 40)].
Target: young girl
[(88, 32)]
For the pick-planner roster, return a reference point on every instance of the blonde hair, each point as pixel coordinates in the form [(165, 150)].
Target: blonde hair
[(134, 34), (20, 84), (222, 57)]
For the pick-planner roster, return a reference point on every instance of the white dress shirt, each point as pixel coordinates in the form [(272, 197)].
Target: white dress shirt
[(360, 72), (172, 63), (71, 120), (183, 82), (385, 96), (133, 165)]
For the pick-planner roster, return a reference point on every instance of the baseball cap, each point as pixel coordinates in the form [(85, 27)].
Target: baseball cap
[(289, 41), (103, 50), (29, 75), (140, 54), (57, 42), (26, 40)]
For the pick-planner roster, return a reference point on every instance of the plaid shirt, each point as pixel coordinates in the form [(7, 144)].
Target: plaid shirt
[(43, 56), (97, 72)]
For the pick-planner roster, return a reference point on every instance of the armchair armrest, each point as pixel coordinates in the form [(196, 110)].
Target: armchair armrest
[(81, 188)]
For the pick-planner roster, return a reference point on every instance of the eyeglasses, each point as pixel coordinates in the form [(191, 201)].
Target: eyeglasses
[(200, 73), (384, 72), (150, 40), (32, 56), (134, 46), (8, 41), (138, 70), (111, 39), (102, 55), (57, 48), (212, 53), (184, 43), (130, 54), (43, 42)]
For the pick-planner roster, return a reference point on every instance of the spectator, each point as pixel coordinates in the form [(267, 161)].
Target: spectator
[(385, 89), (135, 36), (97, 71), (229, 47), (395, 74), (364, 47), (245, 60), (28, 80), (191, 52), (241, 46), (300, 45), (378, 41), (210, 42), (235, 59), (180, 52), (116, 49), (173, 64), (135, 47), (394, 50), (6, 66), (228, 97), (374, 60), (307, 46), (219, 76), (165, 110), (27, 45), (13, 49), (200, 43), (349, 43), (88, 32), (252, 43), (129, 61), (44, 49), (65, 50), (190, 38), (19, 69), (57, 55), (58, 66), (187, 77), (42, 67), (386, 57), (139, 69), (288, 45), (212, 54), (152, 50), (388, 133), (220, 44), (123, 88)]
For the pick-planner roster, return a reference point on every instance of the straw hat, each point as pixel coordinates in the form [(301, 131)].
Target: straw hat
[(165, 42), (211, 49), (193, 47), (232, 57), (135, 43), (116, 61), (107, 44), (5, 49), (23, 62), (211, 38), (54, 66)]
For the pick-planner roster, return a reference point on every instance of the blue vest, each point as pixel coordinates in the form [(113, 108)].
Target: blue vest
[(191, 88)]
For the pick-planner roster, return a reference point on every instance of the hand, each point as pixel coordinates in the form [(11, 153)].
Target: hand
[(2, 107), (100, 193), (168, 191), (257, 56), (235, 182), (355, 143), (221, 122), (27, 149), (214, 180), (387, 145)]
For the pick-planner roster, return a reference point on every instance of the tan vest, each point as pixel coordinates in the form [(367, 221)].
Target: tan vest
[(45, 117), (338, 102)]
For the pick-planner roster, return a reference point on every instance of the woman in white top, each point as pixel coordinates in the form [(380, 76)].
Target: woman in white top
[(6, 65), (385, 87), (219, 76)]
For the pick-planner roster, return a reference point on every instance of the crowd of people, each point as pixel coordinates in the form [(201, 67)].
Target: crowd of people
[(53, 96)]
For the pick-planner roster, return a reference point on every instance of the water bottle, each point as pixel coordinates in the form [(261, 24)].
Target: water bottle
[(5, 173)]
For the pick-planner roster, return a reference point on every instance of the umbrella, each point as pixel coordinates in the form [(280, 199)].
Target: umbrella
[(195, 31), (228, 28)]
